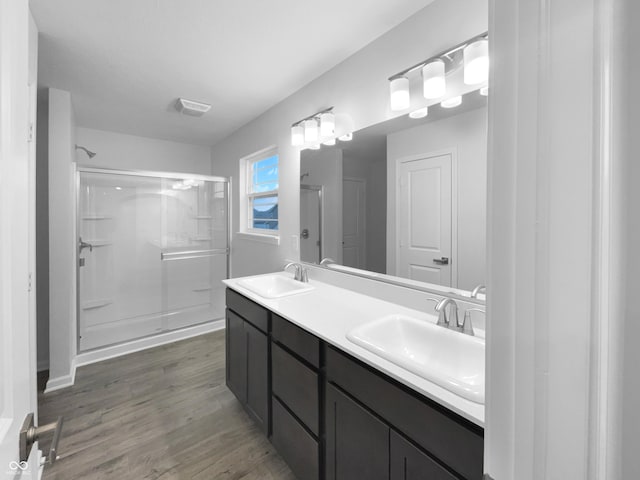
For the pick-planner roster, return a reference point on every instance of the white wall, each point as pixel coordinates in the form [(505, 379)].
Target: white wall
[(466, 133), (325, 168), (129, 152), (62, 287), (358, 89)]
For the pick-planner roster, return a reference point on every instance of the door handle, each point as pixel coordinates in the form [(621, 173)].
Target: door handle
[(29, 434), (441, 261), (83, 245)]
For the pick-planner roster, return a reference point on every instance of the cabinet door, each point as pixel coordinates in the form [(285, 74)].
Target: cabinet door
[(357, 443), (410, 463), (257, 361), (236, 356)]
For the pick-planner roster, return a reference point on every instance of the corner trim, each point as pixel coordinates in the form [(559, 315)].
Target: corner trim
[(64, 381)]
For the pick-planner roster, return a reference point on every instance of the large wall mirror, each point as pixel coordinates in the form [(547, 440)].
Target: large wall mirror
[(406, 197)]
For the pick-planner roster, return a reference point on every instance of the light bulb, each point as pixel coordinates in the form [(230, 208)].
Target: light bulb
[(311, 130), (297, 135), (347, 137), (315, 146), (476, 62), (451, 102), (484, 91), (420, 113), (399, 89), (330, 142), (434, 83), (327, 124)]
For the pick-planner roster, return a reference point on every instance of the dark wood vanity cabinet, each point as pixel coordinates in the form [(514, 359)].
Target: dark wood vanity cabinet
[(334, 417), (247, 356)]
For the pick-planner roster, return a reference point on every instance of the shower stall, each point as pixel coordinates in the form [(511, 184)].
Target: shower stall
[(152, 251)]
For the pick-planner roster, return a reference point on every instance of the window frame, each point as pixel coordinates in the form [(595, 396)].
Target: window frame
[(248, 196)]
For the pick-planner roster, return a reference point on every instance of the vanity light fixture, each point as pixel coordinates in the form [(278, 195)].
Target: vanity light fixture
[(476, 62), (347, 137), (399, 90), (484, 91), (313, 128), (472, 54), (451, 102), (327, 124), (315, 146), (297, 135), (330, 143), (433, 81), (420, 113)]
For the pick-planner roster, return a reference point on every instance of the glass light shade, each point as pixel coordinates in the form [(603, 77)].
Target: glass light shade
[(347, 137), (311, 130), (484, 91), (331, 142), (399, 89), (451, 102), (433, 81), (327, 124), (315, 147), (420, 113), (476, 62), (297, 135)]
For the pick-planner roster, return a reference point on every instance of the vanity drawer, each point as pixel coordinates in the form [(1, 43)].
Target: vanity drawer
[(296, 385), (302, 343), (296, 446), (453, 440), (250, 311)]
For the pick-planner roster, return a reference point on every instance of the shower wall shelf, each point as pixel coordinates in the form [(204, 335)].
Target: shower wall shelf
[(92, 304), (96, 217), (204, 217)]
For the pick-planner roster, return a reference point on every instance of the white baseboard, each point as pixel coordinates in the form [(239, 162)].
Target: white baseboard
[(58, 383), (102, 354)]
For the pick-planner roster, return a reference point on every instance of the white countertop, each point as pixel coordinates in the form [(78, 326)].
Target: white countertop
[(329, 312)]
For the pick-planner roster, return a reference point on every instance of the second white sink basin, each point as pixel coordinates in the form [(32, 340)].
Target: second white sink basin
[(453, 360), (274, 286)]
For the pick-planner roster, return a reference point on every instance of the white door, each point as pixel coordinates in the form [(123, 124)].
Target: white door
[(424, 225), (310, 224), (353, 222), (17, 243)]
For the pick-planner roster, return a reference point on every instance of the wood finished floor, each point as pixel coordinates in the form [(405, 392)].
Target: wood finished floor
[(164, 413)]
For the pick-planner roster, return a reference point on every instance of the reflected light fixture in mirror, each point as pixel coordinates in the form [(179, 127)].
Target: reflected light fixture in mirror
[(420, 113), (476, 62), (347, 137), (315, 147), (434, 83), (311, 130), (484, 91), (329, 142), (297, 135), (399, 89), (451, 102)]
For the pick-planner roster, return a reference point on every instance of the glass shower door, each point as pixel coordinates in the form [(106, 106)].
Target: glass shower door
[(152, 252)]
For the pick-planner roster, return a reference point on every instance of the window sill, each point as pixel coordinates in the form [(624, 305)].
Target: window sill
[(259, 237)]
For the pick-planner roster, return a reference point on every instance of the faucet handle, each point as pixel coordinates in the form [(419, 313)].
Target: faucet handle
[(467, 326)]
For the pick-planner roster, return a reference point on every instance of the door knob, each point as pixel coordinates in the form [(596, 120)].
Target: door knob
[(29, 434), (441, 261)]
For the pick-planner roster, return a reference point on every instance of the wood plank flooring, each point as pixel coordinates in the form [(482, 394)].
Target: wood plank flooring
[(163, 413)]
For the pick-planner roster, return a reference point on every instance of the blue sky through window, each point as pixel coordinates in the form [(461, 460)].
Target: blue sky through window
[(265, 175)]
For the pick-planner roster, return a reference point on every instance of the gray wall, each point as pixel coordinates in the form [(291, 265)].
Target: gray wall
[(42, 229)]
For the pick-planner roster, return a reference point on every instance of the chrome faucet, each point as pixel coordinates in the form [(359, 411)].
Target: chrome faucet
[(477, 290), (450, 321), (300, 274)]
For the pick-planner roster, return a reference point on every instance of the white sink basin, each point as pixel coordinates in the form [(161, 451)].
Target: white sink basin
[(274, 286), (453, 360)]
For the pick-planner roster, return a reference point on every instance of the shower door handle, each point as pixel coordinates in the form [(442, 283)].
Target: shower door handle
[(83, 245)]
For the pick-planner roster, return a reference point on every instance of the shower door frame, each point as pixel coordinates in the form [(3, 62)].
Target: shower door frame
[(138, 173)]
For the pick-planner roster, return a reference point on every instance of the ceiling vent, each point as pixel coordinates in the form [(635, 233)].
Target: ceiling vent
[(190, 107)]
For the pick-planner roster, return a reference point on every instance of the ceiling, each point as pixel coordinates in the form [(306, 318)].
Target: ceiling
[(126, 62)]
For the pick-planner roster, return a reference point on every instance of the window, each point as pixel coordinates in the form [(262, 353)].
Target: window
[(262, 192)]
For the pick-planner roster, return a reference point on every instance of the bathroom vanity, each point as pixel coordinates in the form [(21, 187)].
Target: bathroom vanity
[(334, 410)]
